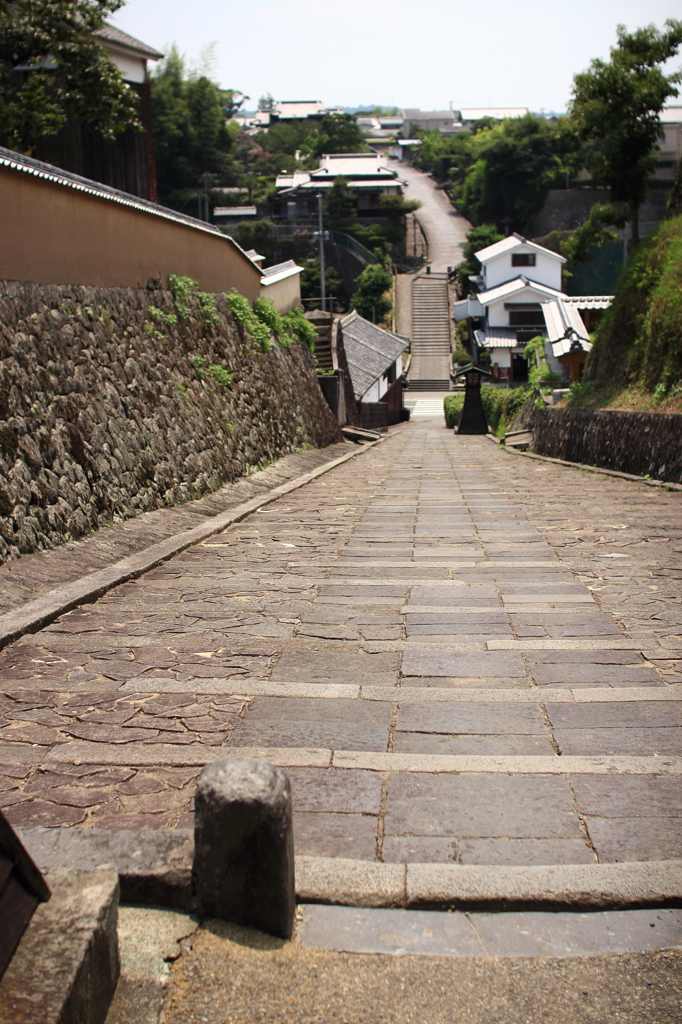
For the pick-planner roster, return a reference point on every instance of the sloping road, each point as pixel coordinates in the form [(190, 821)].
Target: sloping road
[(445, 229)]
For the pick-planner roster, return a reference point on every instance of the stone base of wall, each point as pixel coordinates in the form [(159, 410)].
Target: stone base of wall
[(647, 444), (107, 409)]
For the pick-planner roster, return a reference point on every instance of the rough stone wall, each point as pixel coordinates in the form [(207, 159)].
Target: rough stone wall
[(648, 444), (106, 411)]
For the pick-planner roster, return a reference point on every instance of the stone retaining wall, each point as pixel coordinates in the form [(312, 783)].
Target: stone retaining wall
[(107, 411), (648, 444)]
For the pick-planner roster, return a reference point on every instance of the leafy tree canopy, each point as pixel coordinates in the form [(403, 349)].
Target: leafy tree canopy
[(338, 133), (191, 135), (618, 102), (372, 296), (500, 171), (52, 66)]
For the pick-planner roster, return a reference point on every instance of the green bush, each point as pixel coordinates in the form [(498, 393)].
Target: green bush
[(291, 327), (499, 404), (452, 407), (299, 327), (245, 317)]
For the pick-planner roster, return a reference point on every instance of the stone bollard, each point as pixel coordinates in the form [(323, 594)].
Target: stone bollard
[(243, 867)]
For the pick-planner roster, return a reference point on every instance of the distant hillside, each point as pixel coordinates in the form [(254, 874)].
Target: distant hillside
[(638, 346)]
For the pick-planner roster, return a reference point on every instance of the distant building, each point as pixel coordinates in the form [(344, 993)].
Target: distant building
[(428, 120), (285, 110), (451, 122), (670, 145), (128, 163), (367, 176), (520, 298), (469, 115)]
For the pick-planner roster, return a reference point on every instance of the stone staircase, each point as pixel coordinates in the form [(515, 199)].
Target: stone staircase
[(430, 366)]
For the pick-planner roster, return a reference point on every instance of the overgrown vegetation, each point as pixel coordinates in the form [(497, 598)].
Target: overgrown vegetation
[(539, 373), (262, 321), (637, 355)]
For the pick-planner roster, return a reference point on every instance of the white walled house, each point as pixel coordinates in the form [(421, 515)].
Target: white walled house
[(503, 261), (519, 288)]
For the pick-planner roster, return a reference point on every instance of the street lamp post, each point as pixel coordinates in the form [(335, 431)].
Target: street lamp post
[(323, 291)]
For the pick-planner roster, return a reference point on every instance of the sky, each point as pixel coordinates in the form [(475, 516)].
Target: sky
[(405, 53)]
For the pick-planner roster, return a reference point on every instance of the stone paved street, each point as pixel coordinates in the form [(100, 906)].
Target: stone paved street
[(457, 653)]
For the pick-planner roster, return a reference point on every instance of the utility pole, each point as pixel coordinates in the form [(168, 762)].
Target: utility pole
[(323, 292)]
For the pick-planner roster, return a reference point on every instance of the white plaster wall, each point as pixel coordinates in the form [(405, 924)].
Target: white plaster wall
[(501, 356), (132, 68), (547, 269), (285, 294)]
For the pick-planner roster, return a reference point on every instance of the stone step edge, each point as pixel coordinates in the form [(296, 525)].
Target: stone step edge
[(667, 485), (40, 612), (154, 866), (196, 755)]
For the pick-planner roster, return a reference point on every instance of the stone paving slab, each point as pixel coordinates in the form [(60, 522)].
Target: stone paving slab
[(268, 640), (525, 933)]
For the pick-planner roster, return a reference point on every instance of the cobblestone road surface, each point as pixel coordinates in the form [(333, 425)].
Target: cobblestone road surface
[(458, 654)]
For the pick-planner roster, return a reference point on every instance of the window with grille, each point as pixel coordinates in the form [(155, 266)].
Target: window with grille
[(523, 259), (525, 314)]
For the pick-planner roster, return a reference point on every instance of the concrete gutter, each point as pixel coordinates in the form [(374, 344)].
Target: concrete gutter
[(37, 614), (154, 867)]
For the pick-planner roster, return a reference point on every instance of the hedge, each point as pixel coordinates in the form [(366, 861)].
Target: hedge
[(499, 404)]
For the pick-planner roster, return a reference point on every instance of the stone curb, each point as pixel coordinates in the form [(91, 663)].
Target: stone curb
[(154, 866), (665, 484), (67, 965), (36, 614)]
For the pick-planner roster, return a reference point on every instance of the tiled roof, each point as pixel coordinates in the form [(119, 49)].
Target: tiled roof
[(279, 267), (514, 241), (27, 165), (118, 38), (562, 318), (370, 351), (513, 287), (588, 301), (498, 337)]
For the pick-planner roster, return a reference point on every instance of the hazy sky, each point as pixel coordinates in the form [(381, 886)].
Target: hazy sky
[(417, 53)]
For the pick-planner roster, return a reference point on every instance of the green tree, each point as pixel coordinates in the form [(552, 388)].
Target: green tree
[(371, 298), (52, 66), (191, 136), (339, 202), (338, 133), (595, 231), (515, 163), (619, 102)]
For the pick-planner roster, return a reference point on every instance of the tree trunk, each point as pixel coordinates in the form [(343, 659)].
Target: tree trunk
[(634, 226)]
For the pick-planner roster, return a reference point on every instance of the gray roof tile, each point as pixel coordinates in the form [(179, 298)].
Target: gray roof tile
[(370, 350)]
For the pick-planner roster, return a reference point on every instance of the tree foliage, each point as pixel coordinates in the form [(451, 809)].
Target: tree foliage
[(639, 340), (618, 103), (338, 133), (372, 296), (501, 171), (53, 67), (191, 135)]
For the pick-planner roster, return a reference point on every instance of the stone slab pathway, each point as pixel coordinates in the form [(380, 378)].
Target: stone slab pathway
[(459, 655)]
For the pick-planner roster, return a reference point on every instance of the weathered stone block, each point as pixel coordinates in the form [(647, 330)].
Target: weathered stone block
[(66, 967), (243, 846)]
